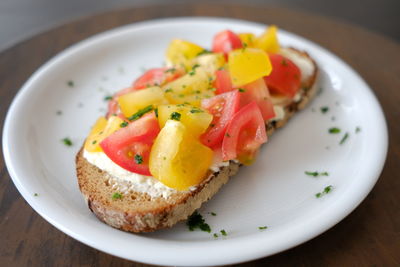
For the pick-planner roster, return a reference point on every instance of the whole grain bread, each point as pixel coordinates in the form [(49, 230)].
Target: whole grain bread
[(139, 212)]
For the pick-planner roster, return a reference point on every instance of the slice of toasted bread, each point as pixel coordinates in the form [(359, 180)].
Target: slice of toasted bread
[(139, 212)]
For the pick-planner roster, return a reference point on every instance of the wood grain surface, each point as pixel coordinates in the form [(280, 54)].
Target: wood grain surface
[(370, 236)]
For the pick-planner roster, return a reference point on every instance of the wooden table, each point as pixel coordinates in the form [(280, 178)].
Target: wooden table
[(370, 236)]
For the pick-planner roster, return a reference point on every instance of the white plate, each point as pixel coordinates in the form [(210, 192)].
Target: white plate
[(274, 192)]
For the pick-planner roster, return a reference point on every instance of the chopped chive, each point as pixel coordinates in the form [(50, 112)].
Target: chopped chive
[(324, 109), (108, 98), (116, 196), (94, 142), (213, 213), (138, 159), (227, 135), (196, 221), (195, 110), (156, 112), (67, 141), (215, 235), (346, 135), (172, 70), (284, 62), (326, 190), (70, 83), (334, 130), (315, 174), (123, 124), (223, 232), (140, 113), (358, 129), (175, 116), (262, 227), (36, 194), (169, 90), (242, 90), (59, 112), (205, 51)]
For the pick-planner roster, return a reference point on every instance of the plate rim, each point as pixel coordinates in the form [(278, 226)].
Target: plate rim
[(362, 194)]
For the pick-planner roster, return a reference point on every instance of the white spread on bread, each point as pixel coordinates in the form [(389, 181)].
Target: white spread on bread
[(138, 182), (152, 186)]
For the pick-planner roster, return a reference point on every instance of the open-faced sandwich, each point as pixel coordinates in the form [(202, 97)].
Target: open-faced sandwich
[(175, 136)]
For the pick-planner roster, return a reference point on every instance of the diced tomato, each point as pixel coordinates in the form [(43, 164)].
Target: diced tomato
[(244, 135), (223, 81), (129, 147), (222, 107), (226, 41), (285, 77), (157, 77), (257, 91)]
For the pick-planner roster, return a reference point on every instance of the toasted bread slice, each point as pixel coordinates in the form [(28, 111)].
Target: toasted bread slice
[(138, 211)]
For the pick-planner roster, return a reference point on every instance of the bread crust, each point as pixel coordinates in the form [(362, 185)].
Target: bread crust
[(139, 212)]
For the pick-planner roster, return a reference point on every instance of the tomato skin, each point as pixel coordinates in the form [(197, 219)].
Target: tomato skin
[(223, 82), (226, 41), (258, 91), (244, 134), (285, 77), (113, 108), (156, 77), (134, 139), (222, 107)]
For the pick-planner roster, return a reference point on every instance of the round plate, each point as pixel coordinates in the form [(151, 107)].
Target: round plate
[(65, 96)]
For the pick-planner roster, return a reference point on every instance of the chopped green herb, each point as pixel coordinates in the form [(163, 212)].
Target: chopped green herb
[(213, 213), (334, 130), (326, 190), (196, 221), (67, 141), (183, 86), (227, 135), (315, 174), (223, 232), (59, 112), (262, 227), (196, 110), (344, 138), (172, 70), (140, 113), (36, 194), (108, 98), (156, 112), (212, 125), (324, 109), (244, 46), (116, 195), (181, 95), (215, 235), (242, 90), (71, 83), (193, 71), (138, 159), (205, 51), (123, 124), (169, 90), (94, 142), (284, 62), (358, 129), (197, 92), (175, 116)]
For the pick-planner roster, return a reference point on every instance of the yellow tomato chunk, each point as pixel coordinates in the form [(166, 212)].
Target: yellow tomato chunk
[(102, 129), (177, 159), (195, 119), (191, 99), (247, 39), (181, 52), (248, 65), (194, 81), (210, 62), (132, 102), (268, 41)]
